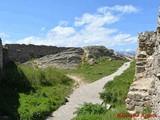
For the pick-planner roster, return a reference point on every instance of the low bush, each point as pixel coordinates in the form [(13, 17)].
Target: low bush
[(109, 115), (89, 108)]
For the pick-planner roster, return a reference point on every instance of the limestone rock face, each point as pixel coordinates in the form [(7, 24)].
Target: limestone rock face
[(70, 58), (93, 52), (67, 59)]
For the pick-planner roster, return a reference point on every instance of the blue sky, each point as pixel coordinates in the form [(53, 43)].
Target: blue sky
[(112, 23)]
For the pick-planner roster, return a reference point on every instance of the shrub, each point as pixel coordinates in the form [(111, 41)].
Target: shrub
[(89, 108)]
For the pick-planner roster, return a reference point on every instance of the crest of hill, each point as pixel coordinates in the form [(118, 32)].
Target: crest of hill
[(70, 58), (59, 57)]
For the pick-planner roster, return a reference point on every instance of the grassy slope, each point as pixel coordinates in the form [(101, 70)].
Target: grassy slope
[(115, 93), (102, 68), (29, 93)]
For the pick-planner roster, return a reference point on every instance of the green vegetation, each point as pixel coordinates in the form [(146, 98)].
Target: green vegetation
[(89, 108), (109, 115), (147, 110), (115, 94), (29, 93), (103, 67), (150, 51), (116, 91)]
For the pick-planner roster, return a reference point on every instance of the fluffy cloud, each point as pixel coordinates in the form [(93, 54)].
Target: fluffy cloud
[(89, 29), (118, 8)]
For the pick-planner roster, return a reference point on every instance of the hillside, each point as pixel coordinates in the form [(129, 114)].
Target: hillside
[(28, 92)]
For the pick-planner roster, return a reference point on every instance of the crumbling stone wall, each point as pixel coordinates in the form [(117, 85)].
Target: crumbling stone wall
[(23, 53), (141, 90), (145, 89), (1, 55)]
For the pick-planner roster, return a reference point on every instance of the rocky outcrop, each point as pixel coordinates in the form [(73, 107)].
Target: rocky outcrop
[(70, 58), (96, 52), (145, 89), (67, 59), (91, 53)]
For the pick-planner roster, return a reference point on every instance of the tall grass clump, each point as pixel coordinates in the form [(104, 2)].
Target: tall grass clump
[(29, 93), (89, 108)]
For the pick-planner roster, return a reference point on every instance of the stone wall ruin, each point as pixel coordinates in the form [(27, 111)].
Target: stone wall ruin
[(144, 92)]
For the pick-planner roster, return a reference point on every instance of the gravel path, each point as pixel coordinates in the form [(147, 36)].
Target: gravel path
[(85, 93)]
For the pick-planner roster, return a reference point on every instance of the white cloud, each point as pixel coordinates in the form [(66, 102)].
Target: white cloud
[(119, 8), (32, 40), (96, 20), (126, 50), (92, 30), (61, 31)]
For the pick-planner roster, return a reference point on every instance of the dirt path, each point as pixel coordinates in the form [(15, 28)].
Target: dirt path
[(79, 80), (86, 93)]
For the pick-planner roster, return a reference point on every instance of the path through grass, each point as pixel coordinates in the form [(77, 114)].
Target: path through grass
[(115, 94), (91, 73)]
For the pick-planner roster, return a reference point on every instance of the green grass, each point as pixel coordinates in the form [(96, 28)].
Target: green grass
[(115, 94), (109, 115), (28, 93), (103, 67), (116, 91), (89, 108)]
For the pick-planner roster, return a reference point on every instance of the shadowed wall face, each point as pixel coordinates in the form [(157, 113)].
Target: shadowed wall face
[(23, 53), (1, 55)]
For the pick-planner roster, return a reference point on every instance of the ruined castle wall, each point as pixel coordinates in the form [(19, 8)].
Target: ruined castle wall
[(23, 53), (156, 71), (141, 90), (145, 89)]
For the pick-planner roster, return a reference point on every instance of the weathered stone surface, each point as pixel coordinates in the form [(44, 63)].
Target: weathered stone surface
[(139, 108), (130, 107), (93, 52), (140, 69), (68, 59), (145, 90)]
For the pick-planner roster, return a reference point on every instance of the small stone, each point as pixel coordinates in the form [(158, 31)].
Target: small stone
[(138, 109), (128, 100), (130, 107)]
